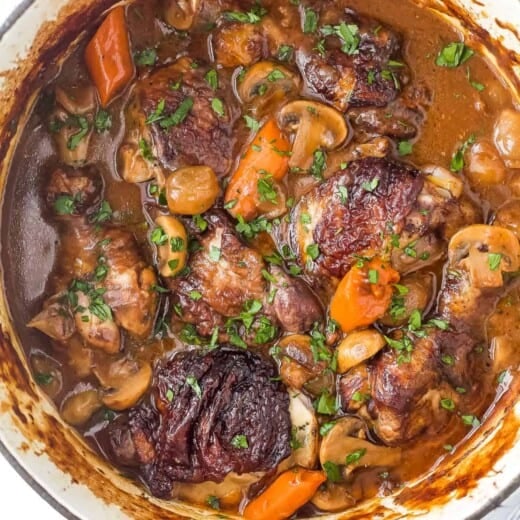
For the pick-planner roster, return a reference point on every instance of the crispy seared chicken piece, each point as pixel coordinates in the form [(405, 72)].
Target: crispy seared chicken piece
[(229, 275), (174, 113), (101, 281), (374, 207), (210, 414)]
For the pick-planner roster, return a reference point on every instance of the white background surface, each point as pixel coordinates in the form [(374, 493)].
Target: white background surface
[(21, 502)]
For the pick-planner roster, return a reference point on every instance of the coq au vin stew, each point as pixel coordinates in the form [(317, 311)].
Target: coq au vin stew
[(281, 247)]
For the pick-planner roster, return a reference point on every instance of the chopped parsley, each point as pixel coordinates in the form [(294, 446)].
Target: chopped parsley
[(252, 123), (326, 427), (44, 379), (253, 16), (103, 214), (319, 164), (347, 33), (448, 404), (177, 117), (355, 456), (310, 21), (332, 471), (326, 404), (471, 420), (211, 78), (213, 502), (457, 162), (75, 139), (218, 107), (285, 52), (240, 442), (405, 148), (145, 58), (313, 251), (494, 261), (266, 188), (65, 204), (103, 121), (146, 150), (158, 236), (371, 185), (454, 55), (275, 75), (192, 382)]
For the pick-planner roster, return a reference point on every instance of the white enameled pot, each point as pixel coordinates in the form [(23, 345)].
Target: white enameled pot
[(56, 461)]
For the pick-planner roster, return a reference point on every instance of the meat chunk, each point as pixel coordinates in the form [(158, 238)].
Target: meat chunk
[(406, 395), (214, 413), (375, 207), (238, 44), (185, 129), (350, 213), (218, 271), (229, 275), (369, 72)]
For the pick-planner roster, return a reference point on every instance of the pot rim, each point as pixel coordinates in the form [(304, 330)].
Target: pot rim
[(493, 503)]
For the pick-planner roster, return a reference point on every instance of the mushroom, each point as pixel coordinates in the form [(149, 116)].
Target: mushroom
[(229, 492), (55, 319), (304, 430), (180, 13), (345, 445), (77, 100), (508, 216), (485, 252), (507, 137), (357, 347), (316, 126), (333, 497), (79, 406), (445, 180), (502, 352), (172, 245), (267, 84), (485, 167), (125, 381), (99, 333), (47, 374), (298, 367)]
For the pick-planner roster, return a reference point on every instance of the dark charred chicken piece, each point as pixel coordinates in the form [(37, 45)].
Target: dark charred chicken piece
[(366, 71), (234, 277), (211, 414), (176, 102), (362, 210)]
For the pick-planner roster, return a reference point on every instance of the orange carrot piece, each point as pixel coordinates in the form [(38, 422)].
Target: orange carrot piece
[(363, 296), (267, 153), (108, 57), (290, 491)]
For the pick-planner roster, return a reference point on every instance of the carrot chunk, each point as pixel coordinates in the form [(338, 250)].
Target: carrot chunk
[(108, 57)]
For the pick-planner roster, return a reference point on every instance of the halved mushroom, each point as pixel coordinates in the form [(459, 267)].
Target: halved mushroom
[(80, 405), (229, 492), (485, 167), (346, 445), (502, 352), (125, 381), (445, 180), (333, 497), (304, 430), (55, 319), (77, 100), (507, 137), (99, 333), (180, 13), (485, 252), (267, 84), (172, 245), (316, 127), (358, 347), (299, 369)]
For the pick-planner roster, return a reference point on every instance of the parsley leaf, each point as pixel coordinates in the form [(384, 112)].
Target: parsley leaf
[(454, 55)]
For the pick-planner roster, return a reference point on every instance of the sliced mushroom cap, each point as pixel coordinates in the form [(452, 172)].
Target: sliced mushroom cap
[(358, 347), (229, 492), (485, 167), (298, 368), (332, 497), (346, 441), (79, 406), (445, 180), (180, 13), (172, 248), (485, 252), (507, 137), (55, 319), (316, 127), (72, 137), (125, 382), (77, 100), (267, 84), (304, 430)]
